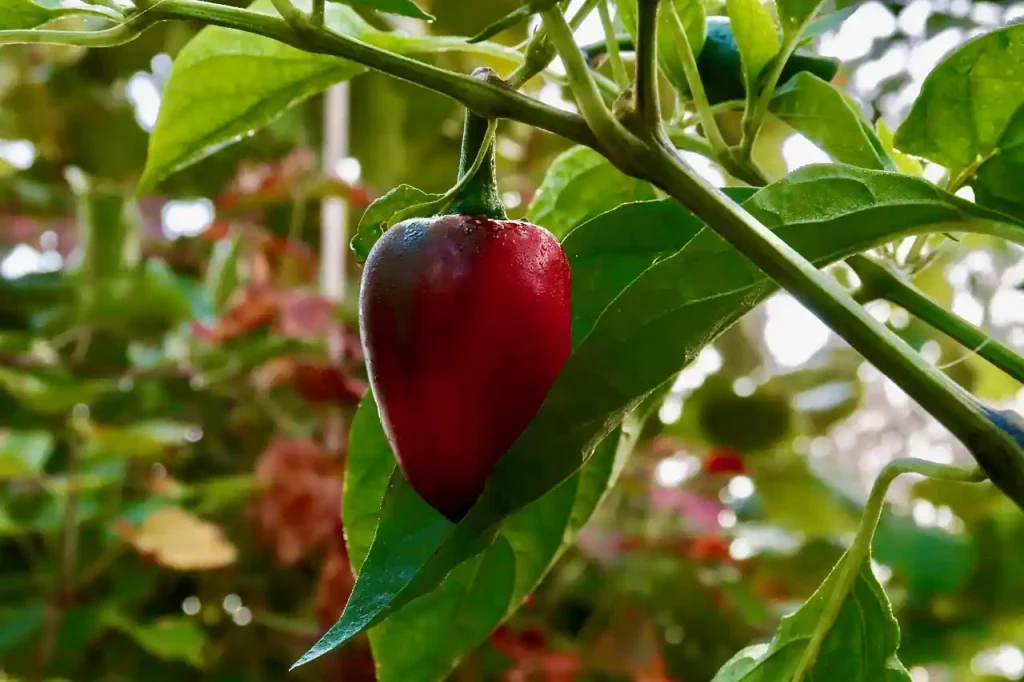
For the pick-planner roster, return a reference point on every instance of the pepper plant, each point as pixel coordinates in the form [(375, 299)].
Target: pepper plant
[(658, 271)]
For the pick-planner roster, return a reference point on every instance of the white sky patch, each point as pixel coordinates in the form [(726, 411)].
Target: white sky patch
[(798, 151), (792, 333), (20, 154), (349, 169), (144, 95), (186, 218)]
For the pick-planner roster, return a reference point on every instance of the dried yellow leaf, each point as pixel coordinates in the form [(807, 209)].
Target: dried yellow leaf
[(180, 540)]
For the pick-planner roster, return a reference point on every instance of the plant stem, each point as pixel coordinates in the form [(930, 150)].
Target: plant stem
[(477, 166), (853, 561), (877, 281), (108, 37), (317, 15), (621, 146), (484, 98), (945, 400), (614, 58), (539, 52), (693, 80), (465, 178), (648, 101), (691, 143)]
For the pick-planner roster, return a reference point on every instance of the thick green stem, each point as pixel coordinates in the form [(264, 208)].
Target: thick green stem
[(945, 400), (483, 152), (878, 282), (479, 193), (107, 225), (853, 561), (620, 145), (648, 101)]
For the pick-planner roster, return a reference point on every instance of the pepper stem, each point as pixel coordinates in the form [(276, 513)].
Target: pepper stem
[(479, 194)]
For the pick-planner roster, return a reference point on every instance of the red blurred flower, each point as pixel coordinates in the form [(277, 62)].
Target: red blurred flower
[(709, 547), (300, 507), (724, 461)]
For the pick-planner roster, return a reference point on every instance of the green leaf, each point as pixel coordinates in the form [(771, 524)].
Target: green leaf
[(147, 439), (580, 184), (652, 327), (860, 645), (149, 299), (22, 14), (830, 119), (226, 84), (24, 453), (404, 8), (794, 15), (51, 393), (18, 623), (222, 272), (426, 638), (692, 18), (377, 216), (481, 592), (170, 638), (828, 22), (368, 471), (756, 37), (968, 116)]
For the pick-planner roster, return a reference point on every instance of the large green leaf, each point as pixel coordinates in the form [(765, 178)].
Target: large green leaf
[(480, 593), (860, 645), (145, 439), (831, 120), (368, 471), (405, 8), (654, 326), (226, 84), (969, 118), (580, 184)]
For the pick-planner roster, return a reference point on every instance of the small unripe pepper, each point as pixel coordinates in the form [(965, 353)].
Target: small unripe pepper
[(465, 322)]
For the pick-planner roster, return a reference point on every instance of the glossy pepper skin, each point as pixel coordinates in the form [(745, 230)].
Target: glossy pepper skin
[(465, 325)]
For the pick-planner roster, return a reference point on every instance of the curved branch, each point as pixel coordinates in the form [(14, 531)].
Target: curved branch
[(108, 37), (947, 401), (486, 99), (878, 282)]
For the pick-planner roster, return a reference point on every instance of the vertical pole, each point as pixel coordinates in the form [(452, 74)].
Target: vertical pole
[(334, 238)]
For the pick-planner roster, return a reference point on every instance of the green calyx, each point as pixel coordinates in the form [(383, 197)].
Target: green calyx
[(478, 194)]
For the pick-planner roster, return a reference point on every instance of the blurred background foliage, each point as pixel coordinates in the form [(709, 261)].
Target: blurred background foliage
[(168, 508)]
